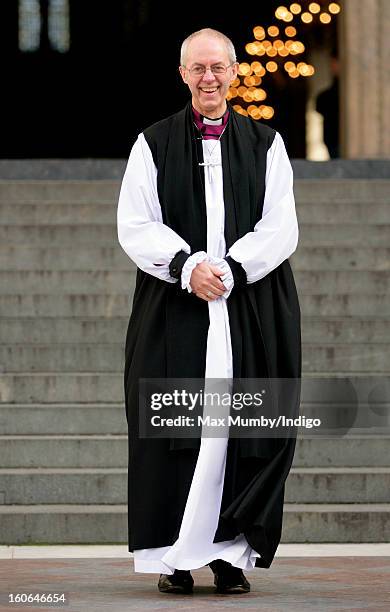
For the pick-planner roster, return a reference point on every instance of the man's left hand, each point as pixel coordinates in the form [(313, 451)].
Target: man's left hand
[(205, 282)]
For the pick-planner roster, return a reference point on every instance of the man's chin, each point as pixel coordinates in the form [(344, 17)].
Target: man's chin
[(210, 106)]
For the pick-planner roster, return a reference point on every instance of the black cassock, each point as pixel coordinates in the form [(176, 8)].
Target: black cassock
[(167, 338)]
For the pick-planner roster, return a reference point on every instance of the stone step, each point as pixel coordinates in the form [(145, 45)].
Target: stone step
[(93, 419), (69, 258), (82, 524), (97, 330), (111, 451), (344, 234), (65, 419), (343, 304), (109, 485), (340, 258), (334, 357), (310, 234), (65, 282), (336, 523), (62, 282), (339, 330), (53, 191), (303, 169), (65, 524), (93, 330), (109, 357), (62, 419), (67, 235), (117, 305), (108, 190), (50, 387), (338, 485), (343, 190), (113, 169), (82, 213), (107, 387), (103, 305), (354, 282), (333, 213), (86, 451), (63, 486), (348, 451), (62, 357), (82, 257), (93, 169)]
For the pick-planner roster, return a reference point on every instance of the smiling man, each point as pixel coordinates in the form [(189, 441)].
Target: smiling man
[(208, 66), (206, 211)]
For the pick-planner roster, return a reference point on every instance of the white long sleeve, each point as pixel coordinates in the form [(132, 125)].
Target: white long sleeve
[(275, 236), (141, 232)]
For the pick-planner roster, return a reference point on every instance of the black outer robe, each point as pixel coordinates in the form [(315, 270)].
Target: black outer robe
[(167, 337)]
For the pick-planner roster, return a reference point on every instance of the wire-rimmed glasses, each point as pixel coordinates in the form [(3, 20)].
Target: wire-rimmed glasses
[(199, 70)]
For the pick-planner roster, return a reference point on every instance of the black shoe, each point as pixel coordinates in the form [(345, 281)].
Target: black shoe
[(229, 579), (180, 581)]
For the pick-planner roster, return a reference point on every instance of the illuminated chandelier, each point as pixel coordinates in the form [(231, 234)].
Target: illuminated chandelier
[(275, 44)]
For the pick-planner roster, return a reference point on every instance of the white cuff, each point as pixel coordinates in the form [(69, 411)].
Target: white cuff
[(198, 257), (227, 277), (189, 265)]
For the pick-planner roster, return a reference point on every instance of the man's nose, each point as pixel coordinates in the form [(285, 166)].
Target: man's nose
[(208, 75)]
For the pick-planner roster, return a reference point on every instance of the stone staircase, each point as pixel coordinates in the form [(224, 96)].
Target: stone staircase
[(65, 298)]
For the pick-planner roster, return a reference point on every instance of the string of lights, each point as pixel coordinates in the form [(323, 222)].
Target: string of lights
[(275, 44)]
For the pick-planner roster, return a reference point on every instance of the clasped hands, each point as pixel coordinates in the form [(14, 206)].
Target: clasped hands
[(205, 282)]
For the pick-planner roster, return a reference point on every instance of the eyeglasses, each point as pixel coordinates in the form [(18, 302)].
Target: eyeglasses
[(200, 70)]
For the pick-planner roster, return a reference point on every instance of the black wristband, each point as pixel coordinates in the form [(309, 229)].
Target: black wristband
[(239, 274), (177, 263)]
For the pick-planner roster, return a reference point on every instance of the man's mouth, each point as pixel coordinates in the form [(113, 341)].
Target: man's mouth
[(209, 90)]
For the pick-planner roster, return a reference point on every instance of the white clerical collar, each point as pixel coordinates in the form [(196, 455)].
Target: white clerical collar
[(208, 121)]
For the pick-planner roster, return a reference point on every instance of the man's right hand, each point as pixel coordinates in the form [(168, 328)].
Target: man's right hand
[(205, 282)]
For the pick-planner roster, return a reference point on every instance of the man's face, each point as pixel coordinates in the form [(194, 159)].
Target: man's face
[(208, 90)]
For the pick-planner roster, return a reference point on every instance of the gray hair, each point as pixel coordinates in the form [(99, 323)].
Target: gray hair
[(209, 32)]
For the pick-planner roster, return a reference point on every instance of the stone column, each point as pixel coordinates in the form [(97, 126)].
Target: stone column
[(365, 78)]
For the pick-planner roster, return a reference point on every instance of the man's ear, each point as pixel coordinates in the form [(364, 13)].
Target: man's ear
[(183, 73), (235, 71)]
